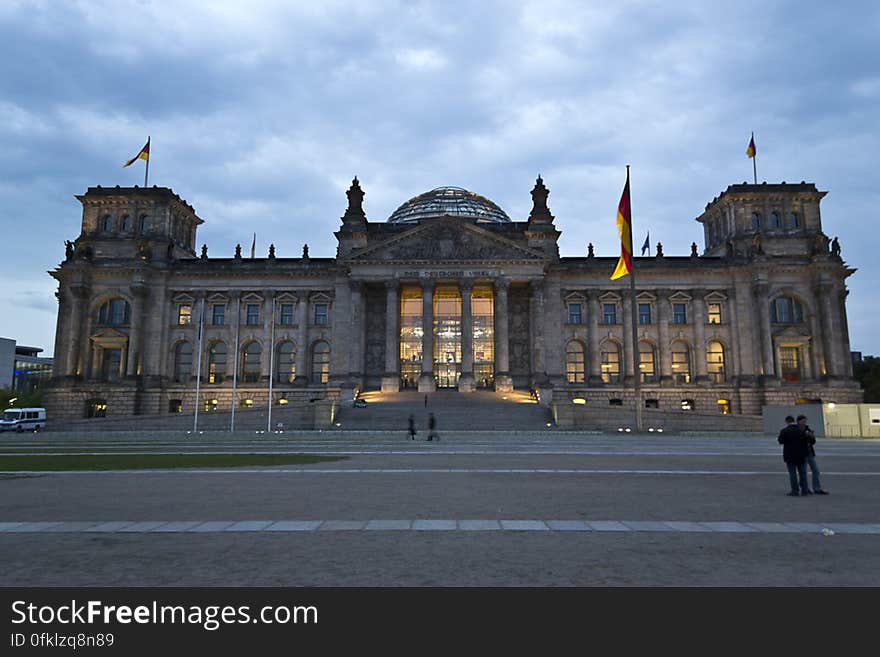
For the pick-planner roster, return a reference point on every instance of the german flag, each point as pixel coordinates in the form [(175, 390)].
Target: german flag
[(624, 228), (144, 154), (751, 151)]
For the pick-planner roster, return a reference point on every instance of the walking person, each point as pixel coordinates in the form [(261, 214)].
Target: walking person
[(794, 453), (412, 427), (811, 454), (432, 427)]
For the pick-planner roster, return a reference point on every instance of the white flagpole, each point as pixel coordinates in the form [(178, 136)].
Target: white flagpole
[(199, 367), (271, 364), (235, 362)]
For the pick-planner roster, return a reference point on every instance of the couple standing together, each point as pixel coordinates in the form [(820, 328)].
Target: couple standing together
[(798, 451)]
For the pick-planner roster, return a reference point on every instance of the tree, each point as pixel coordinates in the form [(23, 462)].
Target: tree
[(867, 373)]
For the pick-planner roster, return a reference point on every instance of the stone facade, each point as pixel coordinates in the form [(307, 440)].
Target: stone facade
[(460, 299)]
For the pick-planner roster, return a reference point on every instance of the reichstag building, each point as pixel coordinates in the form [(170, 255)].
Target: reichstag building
[(449, 292)]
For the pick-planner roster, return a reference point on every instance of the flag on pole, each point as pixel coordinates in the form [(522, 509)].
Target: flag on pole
[(144, 154), (254, 246), (751, 151), (624, 229), (647, 245)]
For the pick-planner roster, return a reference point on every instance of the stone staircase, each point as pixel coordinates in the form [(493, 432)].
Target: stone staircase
[(475, 411)]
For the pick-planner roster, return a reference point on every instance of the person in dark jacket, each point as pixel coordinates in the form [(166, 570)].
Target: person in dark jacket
[(412, 427), (794, 453), (811, 454), (432, 427)]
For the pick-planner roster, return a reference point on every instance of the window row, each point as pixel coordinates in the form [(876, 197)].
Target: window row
[(646, 313), (610, 362), (252, 314), (219, 363), (124, 224)]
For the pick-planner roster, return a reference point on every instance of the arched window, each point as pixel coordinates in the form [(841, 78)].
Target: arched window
[(756, 220), (143, 224), (610, 363), (217, 363), (183, 361), (126, 223), (285, 367), (115, 312), (794, 221), (106, 224), (715, 362), (774, 220), (681, 362), (574, 362), (646, 363), (320, 362), (250, 364), (786, 310)]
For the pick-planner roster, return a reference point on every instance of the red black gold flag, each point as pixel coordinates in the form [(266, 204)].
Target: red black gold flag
[(624, 228)]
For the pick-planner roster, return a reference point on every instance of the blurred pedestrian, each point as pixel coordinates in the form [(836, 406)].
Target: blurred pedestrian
[(412, 427), (432, 427)]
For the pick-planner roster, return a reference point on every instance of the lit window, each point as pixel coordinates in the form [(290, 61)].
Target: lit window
[(210, 405), (175, 406), (574, 362), (217, 363), (681, 363), (184, 314), (574, 313), (646, 363), (610, 363), (715, 362), (285, 370), (714, 313), (790, 363), (687, 404), (321, 362), (724, 406)]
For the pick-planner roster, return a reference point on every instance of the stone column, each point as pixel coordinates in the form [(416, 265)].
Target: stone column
[(75, 364), (847, 370), (503, 380), (302, 339), (817, 349), (760, 291), (356, 366), (664, 352), (426, 380), (595, 378), (832, 366), (536, 319), (268, 350), (466, 382), (702, 375), (391, 376), (139, 292)]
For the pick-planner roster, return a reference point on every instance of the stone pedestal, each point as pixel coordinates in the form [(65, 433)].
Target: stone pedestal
[(467, 383), (427, 383), (503, 383), (390, 382)]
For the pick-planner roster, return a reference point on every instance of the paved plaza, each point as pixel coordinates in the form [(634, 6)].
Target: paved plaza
[(475, 509)]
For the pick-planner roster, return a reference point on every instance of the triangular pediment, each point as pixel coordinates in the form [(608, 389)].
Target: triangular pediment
[(446, 239)]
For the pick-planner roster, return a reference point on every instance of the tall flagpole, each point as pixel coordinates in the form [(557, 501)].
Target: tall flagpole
[(235, 361), (147, 170), (637, 384), (271, 364), (199, 367)]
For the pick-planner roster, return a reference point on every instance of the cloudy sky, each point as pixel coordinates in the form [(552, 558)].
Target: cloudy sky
[(261, 112)]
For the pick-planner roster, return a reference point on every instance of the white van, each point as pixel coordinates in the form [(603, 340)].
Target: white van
[(23, 419)]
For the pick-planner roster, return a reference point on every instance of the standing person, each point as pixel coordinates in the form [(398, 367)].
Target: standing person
[(412, 427), (432, 427), (811, 454), (794, 453), (426, 401)]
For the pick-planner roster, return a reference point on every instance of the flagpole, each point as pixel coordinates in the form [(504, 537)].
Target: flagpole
[(271, 364), (147, 170), (199, 367), (755, 167), (634, 320)]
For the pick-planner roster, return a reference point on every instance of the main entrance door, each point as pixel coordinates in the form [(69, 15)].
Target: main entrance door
[(447, 375)]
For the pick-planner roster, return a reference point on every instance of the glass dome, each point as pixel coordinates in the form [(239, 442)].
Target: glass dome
[(453, 201)]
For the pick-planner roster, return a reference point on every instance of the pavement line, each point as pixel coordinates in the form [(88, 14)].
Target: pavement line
[(515, 471), (432, 524)]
